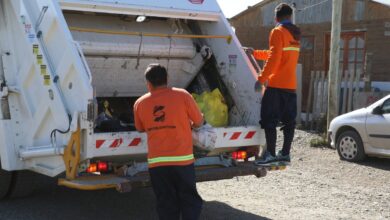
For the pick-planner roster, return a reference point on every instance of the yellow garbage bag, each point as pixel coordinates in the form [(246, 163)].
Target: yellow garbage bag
[(212, 104)]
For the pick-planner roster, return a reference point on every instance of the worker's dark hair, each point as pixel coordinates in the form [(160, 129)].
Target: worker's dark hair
[(282, 11), (156, 74)]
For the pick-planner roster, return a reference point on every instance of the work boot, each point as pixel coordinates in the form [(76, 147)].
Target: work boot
[(285, 158), (267, 158)]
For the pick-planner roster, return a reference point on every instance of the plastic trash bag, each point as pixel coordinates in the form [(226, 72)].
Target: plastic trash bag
[(204, 137), (212, 104)]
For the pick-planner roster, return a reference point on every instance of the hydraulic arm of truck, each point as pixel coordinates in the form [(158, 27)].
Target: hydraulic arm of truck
[(72, 154)]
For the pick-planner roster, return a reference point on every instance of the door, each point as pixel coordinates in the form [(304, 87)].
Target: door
[(378, 127)]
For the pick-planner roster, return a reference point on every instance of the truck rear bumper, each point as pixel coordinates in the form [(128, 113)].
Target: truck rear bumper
[(126, 184), (214, 140)]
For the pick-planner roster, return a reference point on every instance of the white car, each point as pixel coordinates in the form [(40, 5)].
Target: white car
[(363, 132)]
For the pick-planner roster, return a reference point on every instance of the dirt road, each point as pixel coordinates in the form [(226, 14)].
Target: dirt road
[(317, 186)]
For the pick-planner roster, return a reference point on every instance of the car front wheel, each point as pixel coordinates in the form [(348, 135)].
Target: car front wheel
[(350, 146)]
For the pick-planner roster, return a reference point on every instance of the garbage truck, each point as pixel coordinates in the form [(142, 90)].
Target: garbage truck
[(71, 70)]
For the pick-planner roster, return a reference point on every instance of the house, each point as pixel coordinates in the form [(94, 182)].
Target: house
[(365, 37)]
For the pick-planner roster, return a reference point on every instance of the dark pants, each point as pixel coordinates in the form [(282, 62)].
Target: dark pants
[(278, 105), (175, 190)]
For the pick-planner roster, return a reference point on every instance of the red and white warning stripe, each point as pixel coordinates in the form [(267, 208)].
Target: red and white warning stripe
[(108, 143), (118, 142), (232, 136), (134, 142)]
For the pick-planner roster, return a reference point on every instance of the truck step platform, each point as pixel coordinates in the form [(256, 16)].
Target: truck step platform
[(126, 184), (93, 182)]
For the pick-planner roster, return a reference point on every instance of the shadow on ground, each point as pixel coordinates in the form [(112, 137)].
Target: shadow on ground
[(378, 163), (59, 203)]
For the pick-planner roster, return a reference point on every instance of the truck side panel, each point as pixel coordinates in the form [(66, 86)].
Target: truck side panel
[(47, 83)]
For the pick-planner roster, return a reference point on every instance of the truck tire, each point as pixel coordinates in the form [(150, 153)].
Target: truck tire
[(5, 182), (23, 184)]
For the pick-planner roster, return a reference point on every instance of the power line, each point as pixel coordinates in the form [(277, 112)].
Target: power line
[(302, 9)]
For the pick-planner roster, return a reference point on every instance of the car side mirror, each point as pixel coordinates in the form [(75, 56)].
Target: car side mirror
[(377, 110)]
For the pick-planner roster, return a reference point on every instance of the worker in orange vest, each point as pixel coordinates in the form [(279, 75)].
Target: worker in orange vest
[(279, 103), (167, 115)]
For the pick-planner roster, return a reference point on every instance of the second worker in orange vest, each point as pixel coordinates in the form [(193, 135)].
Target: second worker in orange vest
[(166, 115), (279, 102)]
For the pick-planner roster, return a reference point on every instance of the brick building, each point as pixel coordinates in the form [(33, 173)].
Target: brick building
[(365, 35)]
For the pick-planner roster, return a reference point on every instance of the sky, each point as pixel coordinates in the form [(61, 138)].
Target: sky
[(233, 7)]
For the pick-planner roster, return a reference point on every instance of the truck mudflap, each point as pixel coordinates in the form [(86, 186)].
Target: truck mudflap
[(126, 184)]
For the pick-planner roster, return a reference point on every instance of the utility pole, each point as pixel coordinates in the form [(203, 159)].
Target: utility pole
[(334, 76)]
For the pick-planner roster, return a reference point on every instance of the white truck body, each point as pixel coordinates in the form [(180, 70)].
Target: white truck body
[(55, 63)]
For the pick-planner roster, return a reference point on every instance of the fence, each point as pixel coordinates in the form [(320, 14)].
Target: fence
[(317, 103)]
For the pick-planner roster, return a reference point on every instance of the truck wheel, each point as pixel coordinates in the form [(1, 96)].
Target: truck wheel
[(350, 146), (22, 185), (5, 182)]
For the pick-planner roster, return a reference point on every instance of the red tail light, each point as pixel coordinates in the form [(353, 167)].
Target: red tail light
[(239, 155), (102, 166), (97, 167)]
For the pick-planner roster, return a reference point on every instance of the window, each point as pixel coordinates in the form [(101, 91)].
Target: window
[(352, 52), (307, 42), (386, 107)]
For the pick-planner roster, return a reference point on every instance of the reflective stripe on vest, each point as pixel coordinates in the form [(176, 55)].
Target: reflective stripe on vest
[(170, 159), (291, 49)]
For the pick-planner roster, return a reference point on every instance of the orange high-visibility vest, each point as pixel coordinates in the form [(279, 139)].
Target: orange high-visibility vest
[(166, 115), (281, 60)]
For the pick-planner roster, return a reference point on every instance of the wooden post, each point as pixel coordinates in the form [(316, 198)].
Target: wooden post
[(345, 90), (333, 74), (350, 92), (322, 94), (325, 101), (315, 97), (308, 103), (368, 68), (299, 94), (357, 86), (320, 100)]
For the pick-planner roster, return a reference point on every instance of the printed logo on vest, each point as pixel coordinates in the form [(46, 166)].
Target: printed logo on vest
[(158, 113)]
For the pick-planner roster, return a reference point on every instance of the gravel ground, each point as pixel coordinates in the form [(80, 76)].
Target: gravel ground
[(316, 186)]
